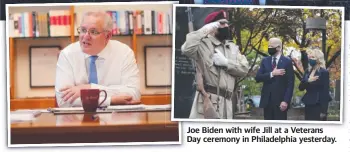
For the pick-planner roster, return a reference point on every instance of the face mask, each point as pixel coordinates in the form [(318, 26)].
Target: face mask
[(272, 51), (223, 33), (312, 62)]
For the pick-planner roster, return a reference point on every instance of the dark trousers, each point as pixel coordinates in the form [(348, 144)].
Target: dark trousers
[(273, 112), (313, 112)]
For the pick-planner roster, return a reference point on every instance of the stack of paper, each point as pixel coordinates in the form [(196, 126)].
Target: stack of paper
[(158, 107), (66, 109), (121, 108), (24, 115), (31, 111), (140, 107), (126, 107)]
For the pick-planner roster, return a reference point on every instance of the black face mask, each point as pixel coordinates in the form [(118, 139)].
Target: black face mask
[(272, 51), (223, 33)]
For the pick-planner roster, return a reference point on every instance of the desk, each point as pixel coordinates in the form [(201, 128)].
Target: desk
[(103, 127)]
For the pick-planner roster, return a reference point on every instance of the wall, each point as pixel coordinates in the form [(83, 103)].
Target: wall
[(150, 40), (21, 45), (22, 75)]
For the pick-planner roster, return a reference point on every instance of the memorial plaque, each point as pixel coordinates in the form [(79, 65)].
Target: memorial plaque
[(183, 72)]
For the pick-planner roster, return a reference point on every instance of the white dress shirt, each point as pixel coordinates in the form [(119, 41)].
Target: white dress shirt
[(116, 67)]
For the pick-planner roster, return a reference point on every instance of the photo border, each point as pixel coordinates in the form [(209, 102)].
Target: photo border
[(72, 144), (341, 113)]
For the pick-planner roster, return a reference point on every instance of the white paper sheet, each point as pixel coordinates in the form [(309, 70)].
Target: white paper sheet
[(24, 115), (122, 107), (68, 109), (158, 107), (31, 110), (126, 107)]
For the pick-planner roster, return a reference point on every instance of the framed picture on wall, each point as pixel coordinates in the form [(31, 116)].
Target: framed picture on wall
[(158, 65), (42, 65)]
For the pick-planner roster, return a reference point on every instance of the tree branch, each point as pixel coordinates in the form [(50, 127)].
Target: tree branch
[(251, 67), (250, 51), (303, 38), (294, 37), (329, 49), (248, 42), (259, 52), (264, 21), (336, 54), (251, 30)]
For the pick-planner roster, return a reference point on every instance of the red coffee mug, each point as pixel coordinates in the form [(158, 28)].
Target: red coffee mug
[(90, 98)]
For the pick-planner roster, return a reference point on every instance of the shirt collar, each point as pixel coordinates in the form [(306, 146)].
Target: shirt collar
[(277, 57), (214, 40), (102, 55)]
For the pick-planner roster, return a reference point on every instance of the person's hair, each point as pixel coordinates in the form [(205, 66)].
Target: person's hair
[(107, 19), (279, 41), (318, 54)]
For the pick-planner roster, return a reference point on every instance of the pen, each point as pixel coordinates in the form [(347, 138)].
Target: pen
[(102, 108), (49, 109)]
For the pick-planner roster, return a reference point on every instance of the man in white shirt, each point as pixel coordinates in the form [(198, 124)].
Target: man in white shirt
[(97, 62)]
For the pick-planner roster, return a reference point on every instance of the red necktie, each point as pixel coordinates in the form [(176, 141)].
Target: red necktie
[(274, 63)]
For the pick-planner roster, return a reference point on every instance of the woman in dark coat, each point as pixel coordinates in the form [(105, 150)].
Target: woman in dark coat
[(316, 83)]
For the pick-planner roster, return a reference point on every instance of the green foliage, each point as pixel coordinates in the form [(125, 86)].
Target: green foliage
[(254, 27), (296, 91), (253, 88)]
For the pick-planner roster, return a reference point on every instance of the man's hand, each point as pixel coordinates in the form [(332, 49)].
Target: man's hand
[(219, 59), (278, 72), (70, 94), (210, 27), (283, 105), (123, 100)]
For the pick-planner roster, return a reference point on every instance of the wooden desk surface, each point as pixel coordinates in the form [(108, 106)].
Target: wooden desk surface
[(103, 127)]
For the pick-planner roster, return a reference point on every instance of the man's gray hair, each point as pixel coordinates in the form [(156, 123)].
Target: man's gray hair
[(107, 19)]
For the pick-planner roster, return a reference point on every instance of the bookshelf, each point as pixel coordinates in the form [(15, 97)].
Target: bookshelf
[(135, 39)]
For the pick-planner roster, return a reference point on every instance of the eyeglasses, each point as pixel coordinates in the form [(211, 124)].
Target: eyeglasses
[(92, 32)]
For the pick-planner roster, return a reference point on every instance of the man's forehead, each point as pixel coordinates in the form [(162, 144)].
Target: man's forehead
[(92, 22)]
